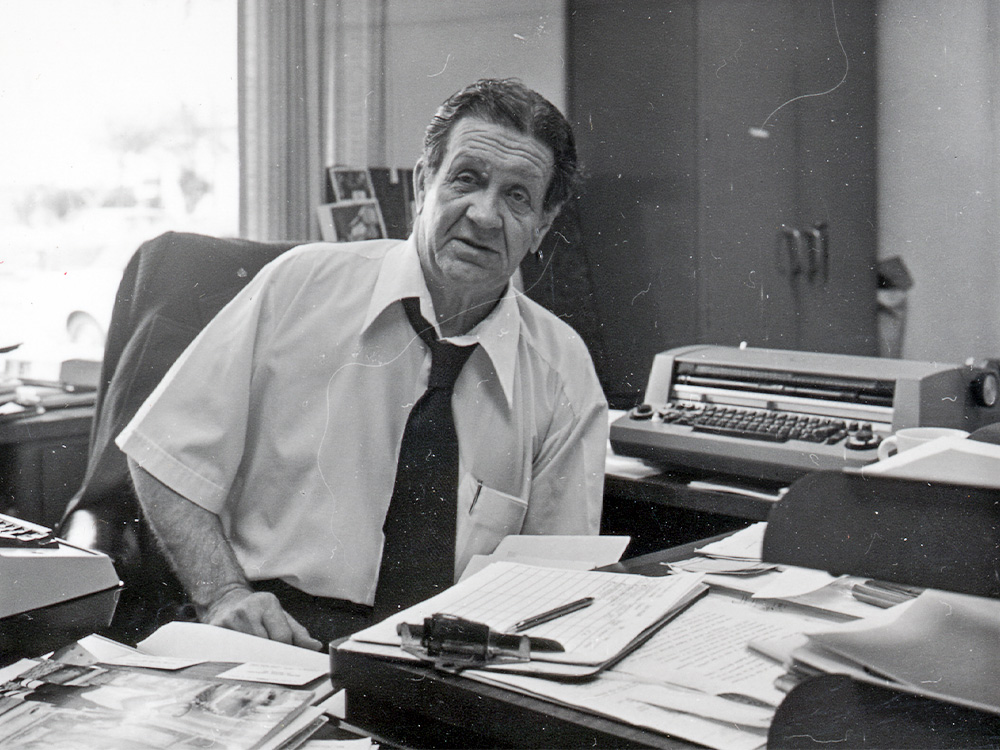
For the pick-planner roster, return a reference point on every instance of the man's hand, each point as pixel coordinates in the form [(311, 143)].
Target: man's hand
[(258, 613), (206, 566)]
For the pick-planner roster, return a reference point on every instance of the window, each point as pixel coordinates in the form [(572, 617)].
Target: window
[(120, 122)]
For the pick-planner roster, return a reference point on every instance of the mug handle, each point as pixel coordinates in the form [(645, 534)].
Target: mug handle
[(885, 446)]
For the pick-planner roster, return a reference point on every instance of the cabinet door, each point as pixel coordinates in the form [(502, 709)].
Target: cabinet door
[(746, 172), (786, 174), (631, 75), (710, 163), (836, 171)]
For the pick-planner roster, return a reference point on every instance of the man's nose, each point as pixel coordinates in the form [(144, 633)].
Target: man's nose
[(484, 209)]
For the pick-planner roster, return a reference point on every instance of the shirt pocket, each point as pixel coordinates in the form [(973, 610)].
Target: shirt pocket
[(485, 516)]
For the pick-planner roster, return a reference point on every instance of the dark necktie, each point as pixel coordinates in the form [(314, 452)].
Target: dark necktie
[(418, 559)]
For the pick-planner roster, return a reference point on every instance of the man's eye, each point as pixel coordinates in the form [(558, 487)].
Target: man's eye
[(520, 197), (466, 178)]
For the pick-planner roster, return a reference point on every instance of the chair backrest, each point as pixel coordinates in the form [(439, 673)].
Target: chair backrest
[(171, 288)]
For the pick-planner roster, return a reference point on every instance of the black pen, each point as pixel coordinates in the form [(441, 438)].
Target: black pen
[(552, 614)]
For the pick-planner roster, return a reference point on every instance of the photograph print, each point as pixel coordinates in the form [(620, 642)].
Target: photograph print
[(351, 221), (351, 184)]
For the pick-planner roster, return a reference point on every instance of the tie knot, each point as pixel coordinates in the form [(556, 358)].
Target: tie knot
[(447, 359)]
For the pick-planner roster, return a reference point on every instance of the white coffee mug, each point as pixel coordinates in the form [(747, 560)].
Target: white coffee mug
[(911, 437)]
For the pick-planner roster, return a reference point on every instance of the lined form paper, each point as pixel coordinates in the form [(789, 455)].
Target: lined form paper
[(504, 593)]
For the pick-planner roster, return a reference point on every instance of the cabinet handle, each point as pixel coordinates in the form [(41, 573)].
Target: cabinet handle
[(788, 251), (819, 253)]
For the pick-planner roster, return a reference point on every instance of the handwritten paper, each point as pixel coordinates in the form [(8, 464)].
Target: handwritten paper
[(505, 593)]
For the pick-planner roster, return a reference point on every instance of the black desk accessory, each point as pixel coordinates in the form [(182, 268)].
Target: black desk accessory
[(936, 536), (836, 711), (453, 643)]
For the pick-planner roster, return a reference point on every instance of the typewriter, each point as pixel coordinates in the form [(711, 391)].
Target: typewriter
[(773, 414), (51, 592)]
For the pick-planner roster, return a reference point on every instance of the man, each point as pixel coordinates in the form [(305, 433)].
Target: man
[(266, 460)]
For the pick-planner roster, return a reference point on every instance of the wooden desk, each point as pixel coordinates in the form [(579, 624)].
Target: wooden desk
[(411, 706), (408, 705), (43, 458)]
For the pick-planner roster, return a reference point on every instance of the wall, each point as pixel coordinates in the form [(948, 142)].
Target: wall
[(939, 129), (432, 49), (938, 157)]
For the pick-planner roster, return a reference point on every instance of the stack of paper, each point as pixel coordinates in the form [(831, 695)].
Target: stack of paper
[(646, 653), (695, 678), (736, 554), (941, 645), (248, 692), (626, 610), (734, 564)]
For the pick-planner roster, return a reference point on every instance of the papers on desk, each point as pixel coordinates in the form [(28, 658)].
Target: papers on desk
[(940, 645), (746, 545), (734, 564), (650, 657), (178, 645), (554, 551), (696, 678), (625, 611), (196, 640)]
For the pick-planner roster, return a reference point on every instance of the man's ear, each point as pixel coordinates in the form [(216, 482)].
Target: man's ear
[(420, 177), (548, 217)]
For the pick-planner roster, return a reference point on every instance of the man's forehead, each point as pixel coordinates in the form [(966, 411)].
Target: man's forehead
[(474, 137)]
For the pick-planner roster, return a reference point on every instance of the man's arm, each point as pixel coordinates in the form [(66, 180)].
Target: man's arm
[(199, 553)]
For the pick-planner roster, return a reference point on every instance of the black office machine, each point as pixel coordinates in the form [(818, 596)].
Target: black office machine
[(51, 592), (776, 414)]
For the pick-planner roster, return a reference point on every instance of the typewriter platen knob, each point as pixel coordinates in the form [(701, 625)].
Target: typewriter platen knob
[(642, 411), (985, 388)]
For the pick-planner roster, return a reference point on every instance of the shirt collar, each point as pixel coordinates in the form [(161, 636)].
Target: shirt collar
[(400, 276)]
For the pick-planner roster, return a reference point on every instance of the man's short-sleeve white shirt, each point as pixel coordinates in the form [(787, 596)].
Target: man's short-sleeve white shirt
[(284, 418)]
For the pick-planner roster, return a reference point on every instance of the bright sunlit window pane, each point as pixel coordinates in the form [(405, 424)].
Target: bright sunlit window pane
[(119, 123)]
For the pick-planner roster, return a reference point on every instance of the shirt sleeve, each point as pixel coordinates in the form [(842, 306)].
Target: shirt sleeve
[(567, 487), (191, 431)]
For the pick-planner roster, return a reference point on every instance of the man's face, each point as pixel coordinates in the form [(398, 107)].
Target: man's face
[(482, 211)]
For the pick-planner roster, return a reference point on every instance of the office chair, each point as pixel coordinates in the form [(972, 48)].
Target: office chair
[(172, 286)]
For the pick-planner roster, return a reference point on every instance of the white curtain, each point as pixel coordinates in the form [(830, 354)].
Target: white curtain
[(311, 95)]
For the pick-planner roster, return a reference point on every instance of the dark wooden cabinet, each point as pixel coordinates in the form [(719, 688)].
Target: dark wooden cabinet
[(730, 150), (43, 459)]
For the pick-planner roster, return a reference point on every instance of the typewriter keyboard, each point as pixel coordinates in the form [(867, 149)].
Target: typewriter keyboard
[(761, 424), (17, 533)]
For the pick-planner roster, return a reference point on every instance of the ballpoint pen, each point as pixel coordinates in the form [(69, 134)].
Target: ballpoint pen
[(552, 614)]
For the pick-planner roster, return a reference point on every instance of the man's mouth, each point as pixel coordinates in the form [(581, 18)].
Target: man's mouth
[(475, 245)]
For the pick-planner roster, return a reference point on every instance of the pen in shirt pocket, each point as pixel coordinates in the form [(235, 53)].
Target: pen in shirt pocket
[(475, 495)]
